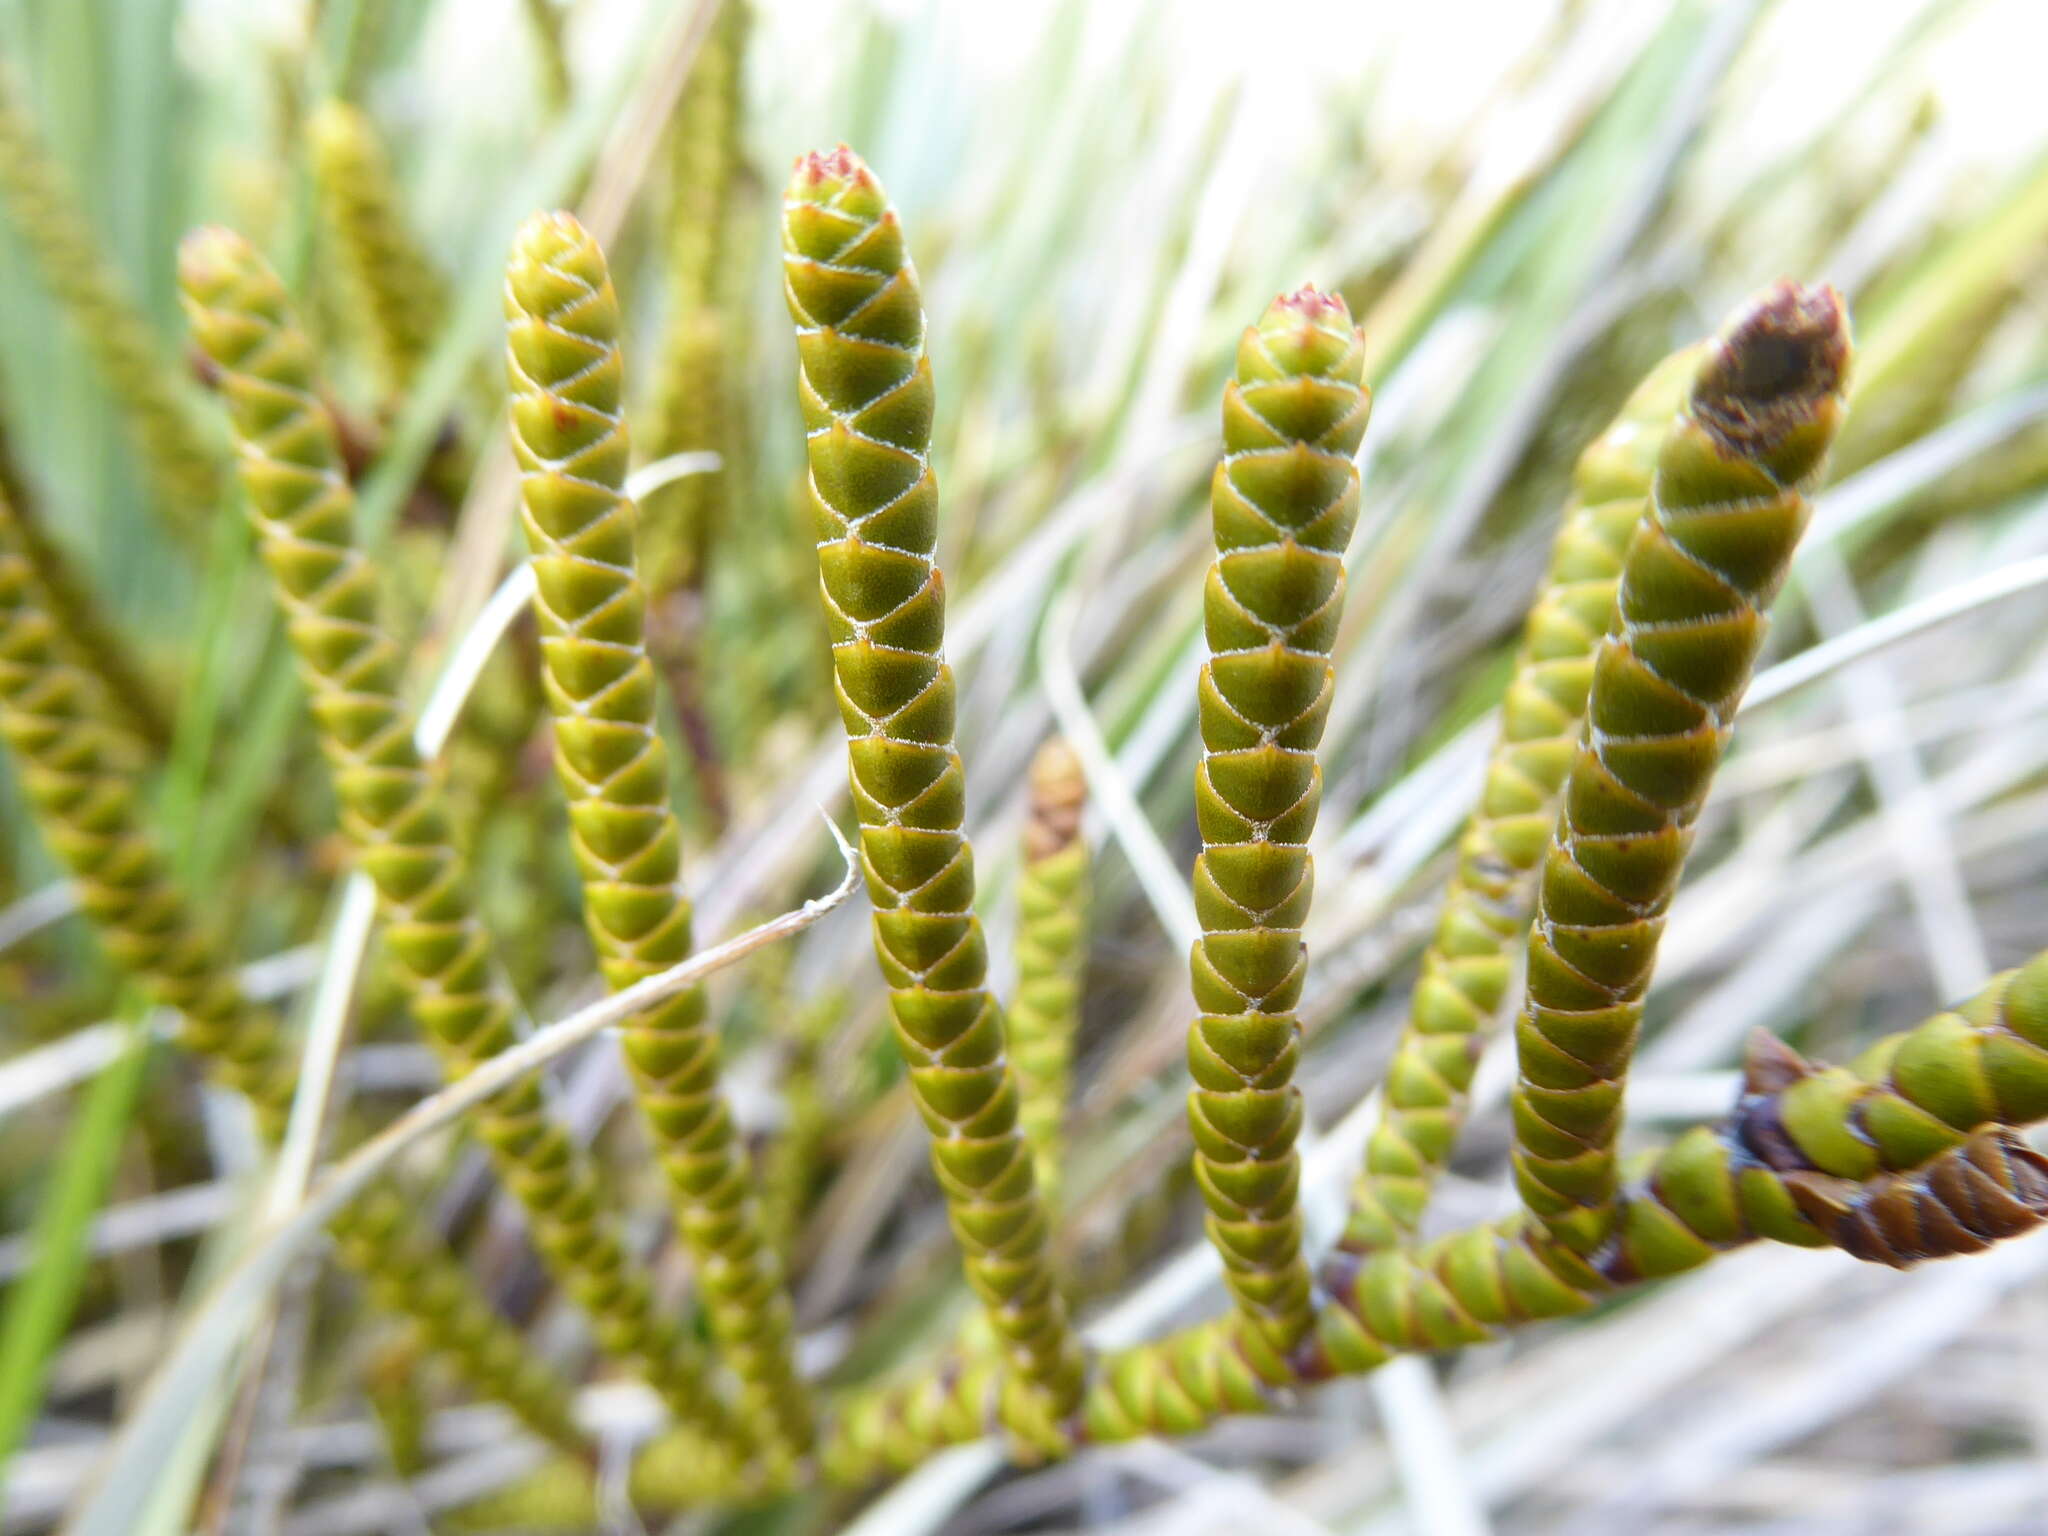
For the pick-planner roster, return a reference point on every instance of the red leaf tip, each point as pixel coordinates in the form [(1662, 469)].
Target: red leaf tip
[(836, 164), (1315, 306)]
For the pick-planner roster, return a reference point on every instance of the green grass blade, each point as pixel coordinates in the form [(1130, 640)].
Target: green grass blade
[(38, 1306)]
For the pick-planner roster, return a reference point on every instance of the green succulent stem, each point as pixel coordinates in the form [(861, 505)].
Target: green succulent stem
[(185, 468), (394, 809), (397, 1396), (1284, 500), (1052, 927), (82, 776), (706, 157), (1468, 965), (692, 410), (791, 1162), (1727, 507), (569, 435), (865, 388)]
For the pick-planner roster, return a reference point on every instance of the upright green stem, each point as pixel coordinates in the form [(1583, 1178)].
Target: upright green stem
[(393, 806), (570, 439), (398, 1400), (139, 375), (705, 160), (81, 617), (402, 293), (693, 411), (866, 392), (1052, 949), (1467, 968), (1284, 500), (1726, 511), (790, 1164)]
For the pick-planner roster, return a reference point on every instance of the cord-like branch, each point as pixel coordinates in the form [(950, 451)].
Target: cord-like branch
[(693, 409), (866, 392), (399, 289), (1052, 950), (570, 438), (82, 776), (1726, 511), (690, 406), (1284, 501)]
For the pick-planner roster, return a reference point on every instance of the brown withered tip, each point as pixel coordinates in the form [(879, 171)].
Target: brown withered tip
[(1990, 1188), (1769, 1065), (1768, 373), (2026, 1173), (1059, 795)]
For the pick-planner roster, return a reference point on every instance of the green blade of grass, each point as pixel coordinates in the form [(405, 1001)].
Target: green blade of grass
[(39, 1305)]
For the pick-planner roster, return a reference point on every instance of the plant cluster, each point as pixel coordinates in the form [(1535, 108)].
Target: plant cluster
[(1681, 523)]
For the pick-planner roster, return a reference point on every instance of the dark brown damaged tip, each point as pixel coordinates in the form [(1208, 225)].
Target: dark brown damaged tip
[(2025, 1172), (1772, 369), (1059, 797), (1769, 1065)]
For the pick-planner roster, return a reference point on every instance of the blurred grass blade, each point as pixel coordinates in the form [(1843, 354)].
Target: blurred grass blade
[(38, 1307)]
